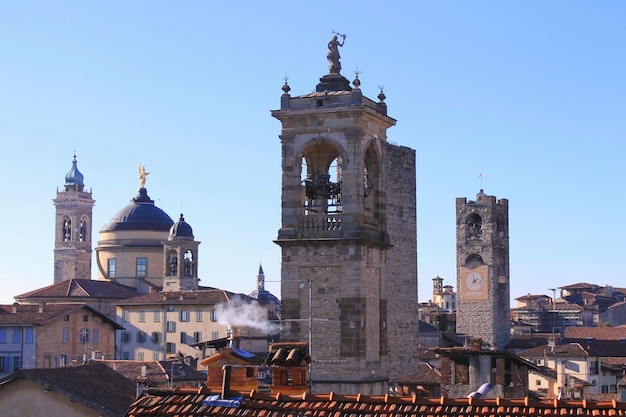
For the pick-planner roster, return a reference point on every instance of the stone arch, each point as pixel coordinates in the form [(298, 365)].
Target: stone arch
[(372, 179), (474, 226), (474, 257), (66, 229), (321, 162), (84, 229)]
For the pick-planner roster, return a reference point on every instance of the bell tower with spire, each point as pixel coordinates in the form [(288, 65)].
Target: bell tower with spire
[(73, 225), (348, 235), (181, 258)]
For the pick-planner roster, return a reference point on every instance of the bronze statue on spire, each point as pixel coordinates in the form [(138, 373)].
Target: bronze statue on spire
[(333, 53)]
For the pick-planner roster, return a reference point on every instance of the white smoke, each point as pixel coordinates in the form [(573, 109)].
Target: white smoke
[(238, 312)]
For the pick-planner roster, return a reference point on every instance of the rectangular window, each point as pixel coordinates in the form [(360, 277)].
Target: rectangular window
[(184, 315), (613, 389), (66, 317), (125, 336), (157, 316), (85, 317), (3, 335), (142, 316), (593, 368), (213, 315), (198, 315), (171, 326), (65, 337), (141, 337), (604, 389), (28, 335), (84, 336), (111, 268), (96, 336), (156, 336), (141, 270), (126, 316), (126, 356), (17, 335), (2, 364), (62, 360), (155, 356), (183, 337), (140, 356), (170, 347), (197, 337), (17, 363), (215, 335)]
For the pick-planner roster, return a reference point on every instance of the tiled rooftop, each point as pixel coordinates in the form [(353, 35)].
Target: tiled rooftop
[(600, 333), (93, 385), (213, 296), (81, 288), (30, 314), (189, 403)]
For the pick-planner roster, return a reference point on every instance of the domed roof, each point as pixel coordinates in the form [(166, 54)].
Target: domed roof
[(140, 214), (181, 229), (74, 178)]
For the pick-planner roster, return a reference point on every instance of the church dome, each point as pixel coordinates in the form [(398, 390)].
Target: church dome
[(181, 230), (74, 177), (140, 214)]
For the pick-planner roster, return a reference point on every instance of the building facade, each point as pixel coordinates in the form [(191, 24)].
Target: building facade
[(348, 236), (482, 258)]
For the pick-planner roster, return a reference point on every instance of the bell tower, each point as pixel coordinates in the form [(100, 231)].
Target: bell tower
[(181, 258), (73, 223), (348, 236), (482, 258)]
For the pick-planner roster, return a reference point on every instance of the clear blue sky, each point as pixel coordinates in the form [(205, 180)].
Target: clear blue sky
[(532, 94)]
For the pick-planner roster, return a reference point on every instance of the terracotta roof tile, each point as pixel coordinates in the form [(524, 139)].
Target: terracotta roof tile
[(28, 314), (81, 288), (212, 296), (186, 402), (112, 395)]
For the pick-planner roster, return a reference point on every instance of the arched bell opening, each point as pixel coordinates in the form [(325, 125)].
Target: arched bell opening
[(321, 178)]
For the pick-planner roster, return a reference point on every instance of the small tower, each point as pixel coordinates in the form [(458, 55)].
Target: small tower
[(73, 222), (482, 258), (348, 236), (181, 258)]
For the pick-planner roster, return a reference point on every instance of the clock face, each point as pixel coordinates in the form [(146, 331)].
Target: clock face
[(474, 281)]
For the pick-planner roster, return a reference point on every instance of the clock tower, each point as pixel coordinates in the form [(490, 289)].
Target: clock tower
[(482, 258), (347, 236)]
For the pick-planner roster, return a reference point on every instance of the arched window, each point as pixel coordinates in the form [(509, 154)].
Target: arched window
[(82, 230), (172, 262), (67, 229), (188, 261), (321, 177), (474, 227)]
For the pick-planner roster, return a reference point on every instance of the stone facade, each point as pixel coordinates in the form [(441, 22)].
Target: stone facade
[(348, 240), (482, 234)]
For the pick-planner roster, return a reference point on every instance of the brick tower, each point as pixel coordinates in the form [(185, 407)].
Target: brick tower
[(482, 259), (73, 222), (348, 236)]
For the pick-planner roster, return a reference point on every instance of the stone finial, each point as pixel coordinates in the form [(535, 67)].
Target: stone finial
[(382, 95), (286, 89), (356, 82)]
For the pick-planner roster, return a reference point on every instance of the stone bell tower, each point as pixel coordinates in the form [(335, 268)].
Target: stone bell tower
[(181, 258), (348, 236), (73, 223), (482, 258)]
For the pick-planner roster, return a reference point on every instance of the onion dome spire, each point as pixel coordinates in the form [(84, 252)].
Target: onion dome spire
[(74, 179)]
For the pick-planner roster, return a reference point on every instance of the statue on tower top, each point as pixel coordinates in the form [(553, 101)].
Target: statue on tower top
[(143, 174), (333, 53)]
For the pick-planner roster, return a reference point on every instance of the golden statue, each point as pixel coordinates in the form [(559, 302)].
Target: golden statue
[(142, 175)]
